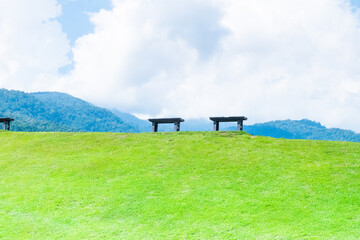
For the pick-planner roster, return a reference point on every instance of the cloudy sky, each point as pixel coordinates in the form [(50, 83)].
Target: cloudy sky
[(265, 59)]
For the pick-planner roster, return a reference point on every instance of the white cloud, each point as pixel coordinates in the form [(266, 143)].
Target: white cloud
[(32, 45), (266, 59)]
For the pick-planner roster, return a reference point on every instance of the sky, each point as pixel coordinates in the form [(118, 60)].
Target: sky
[(264, 59)]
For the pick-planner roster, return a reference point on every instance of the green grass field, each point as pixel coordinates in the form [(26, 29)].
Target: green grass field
[(186, 185)]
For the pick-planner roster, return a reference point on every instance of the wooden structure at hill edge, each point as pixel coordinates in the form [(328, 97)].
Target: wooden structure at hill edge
[(239, 120), (156, 121), (6, 122)]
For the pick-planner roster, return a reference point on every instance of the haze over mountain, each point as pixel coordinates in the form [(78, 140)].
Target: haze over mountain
[(54, 111)]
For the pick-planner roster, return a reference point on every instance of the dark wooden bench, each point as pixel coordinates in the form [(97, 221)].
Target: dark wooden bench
[(6, 122), (175, 121), (217, 120)]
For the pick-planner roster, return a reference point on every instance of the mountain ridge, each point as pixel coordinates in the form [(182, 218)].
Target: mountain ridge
[(56, 111), (53, 111)]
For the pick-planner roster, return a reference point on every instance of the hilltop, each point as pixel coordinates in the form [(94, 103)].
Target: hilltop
[(185, 185)]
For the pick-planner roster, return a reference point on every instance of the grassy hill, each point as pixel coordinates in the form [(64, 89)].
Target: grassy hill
[(185, 185)]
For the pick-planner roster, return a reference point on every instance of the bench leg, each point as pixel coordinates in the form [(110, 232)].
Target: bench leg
[(154, 127), (240, 125), (177, 126), (216, 126), (6, 126)]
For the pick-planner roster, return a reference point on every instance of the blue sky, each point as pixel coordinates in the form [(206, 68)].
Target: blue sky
[(75, 18), (355, 3)]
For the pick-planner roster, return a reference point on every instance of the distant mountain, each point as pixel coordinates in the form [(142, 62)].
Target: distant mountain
[(142, 125), (53, 111), (301, 129)]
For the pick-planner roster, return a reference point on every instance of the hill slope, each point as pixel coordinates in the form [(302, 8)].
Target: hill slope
[(52, 111), (186, 185)]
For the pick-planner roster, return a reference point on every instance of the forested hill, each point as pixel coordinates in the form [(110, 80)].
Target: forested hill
[(301, 129), (52, 111)]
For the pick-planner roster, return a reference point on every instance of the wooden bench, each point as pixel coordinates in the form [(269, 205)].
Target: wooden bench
[(239, 120), (6, 122), (157, 121)]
